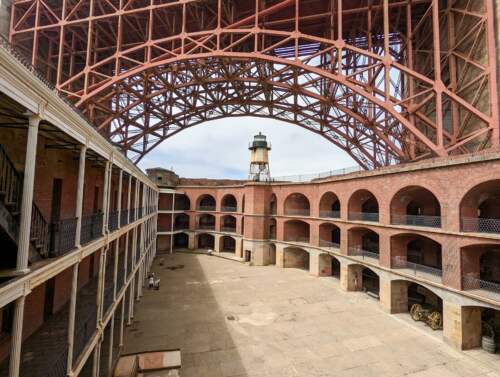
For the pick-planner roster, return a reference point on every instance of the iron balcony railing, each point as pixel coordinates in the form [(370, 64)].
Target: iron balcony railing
[(363, 216), (124, 217), (479, 225), (206, 208), (108, 295), (228, 209), (474, 283), (416, 220), (113, 221), (39, 231), (357, 251), (140, 212), (329, 214), (58, 368), (297, 212), (297, 239), (416, 268), (206, 226), (62, 237), (11, 183), (181, 226), (230, 229), (132, 215), (83, 332), (326, 243), (91, 227), (138, 251), (120, 277), (129, 262)]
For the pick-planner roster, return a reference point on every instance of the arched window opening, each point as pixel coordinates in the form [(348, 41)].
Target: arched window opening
[(424, 305), (228, 244), (272, 229), (363, 206), (297, 205), (480, 208), (181, 221), (181, 241), (206, 241), (481, 270), (295, 258), (182, 202), (370, 282), (329, 206), (228, 224), (296, 231), (416, 206), (229, 203), (364, 243), (206, 222), (273, 205), (206, 203), (417, 255), (329, 236), (335, 268)]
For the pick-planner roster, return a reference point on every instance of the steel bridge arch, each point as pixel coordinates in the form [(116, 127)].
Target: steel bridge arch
[(398, 154), (92, 86)]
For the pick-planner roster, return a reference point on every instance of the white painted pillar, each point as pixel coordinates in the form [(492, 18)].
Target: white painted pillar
[(100, 284), (125, 275), (128, 197), (172, 225), (111, 341), (71, 319), (17, 337), (139, 281), (136, 199), (96, 359), (122, 321), (105, 198), (119, 204), (27, 199), (79, 194), (131, 301), (115, 268), (134, 247)]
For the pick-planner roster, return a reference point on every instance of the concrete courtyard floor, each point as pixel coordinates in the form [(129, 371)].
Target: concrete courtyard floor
[(231, 320)]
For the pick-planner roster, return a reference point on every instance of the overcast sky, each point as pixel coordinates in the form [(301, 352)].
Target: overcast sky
[(219, 149)]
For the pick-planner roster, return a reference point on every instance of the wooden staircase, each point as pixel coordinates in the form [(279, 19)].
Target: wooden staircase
[(11, 185)]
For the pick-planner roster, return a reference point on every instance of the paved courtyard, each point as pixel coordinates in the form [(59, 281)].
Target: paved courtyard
[(230, 319)]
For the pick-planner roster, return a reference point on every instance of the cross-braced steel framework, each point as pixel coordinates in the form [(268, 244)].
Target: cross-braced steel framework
[(385, 80)]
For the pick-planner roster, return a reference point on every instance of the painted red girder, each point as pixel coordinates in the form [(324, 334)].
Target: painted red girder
[(387, 81)]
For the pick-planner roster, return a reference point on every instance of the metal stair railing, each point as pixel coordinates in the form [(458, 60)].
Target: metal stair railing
[(11, 184)]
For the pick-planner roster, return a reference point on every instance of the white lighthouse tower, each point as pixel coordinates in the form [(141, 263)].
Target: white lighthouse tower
[(259, 162)]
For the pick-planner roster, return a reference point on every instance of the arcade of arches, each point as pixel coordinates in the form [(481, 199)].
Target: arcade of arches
[(413, 239)]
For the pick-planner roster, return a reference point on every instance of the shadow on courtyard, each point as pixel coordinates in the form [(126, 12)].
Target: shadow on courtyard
[(185, 314)]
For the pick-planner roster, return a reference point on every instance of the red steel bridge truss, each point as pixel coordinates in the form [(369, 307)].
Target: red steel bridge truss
[(387, 81)]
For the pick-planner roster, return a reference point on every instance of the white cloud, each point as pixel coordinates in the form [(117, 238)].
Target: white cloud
[(219, 149)]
